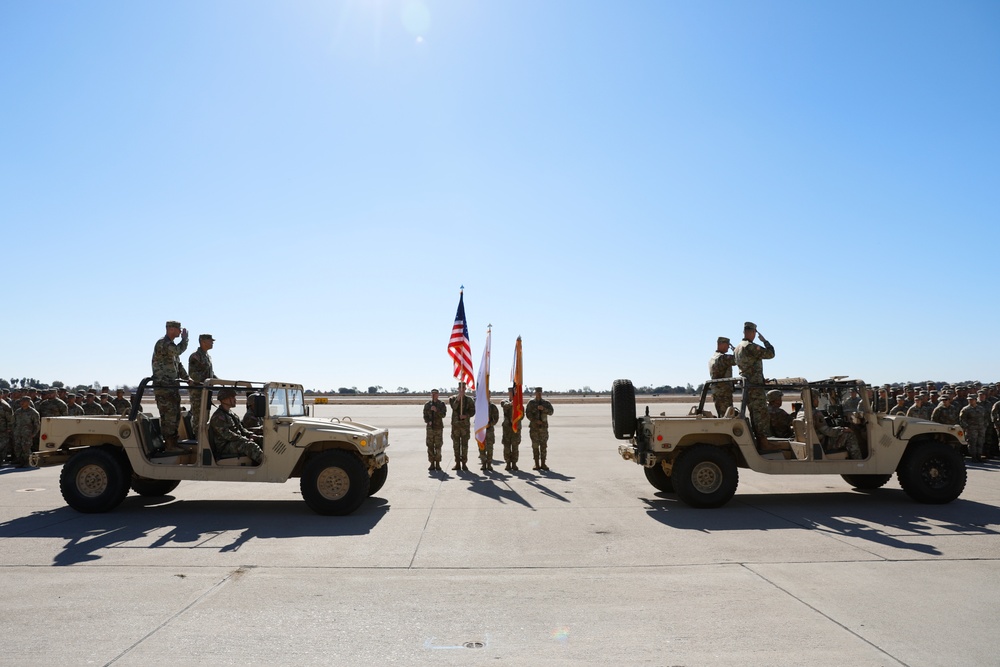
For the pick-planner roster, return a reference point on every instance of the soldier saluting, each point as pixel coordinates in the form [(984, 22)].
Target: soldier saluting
[(167, 371), (750, 358), (721, 366)]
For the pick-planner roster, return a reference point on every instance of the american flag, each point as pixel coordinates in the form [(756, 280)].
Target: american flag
[(458, 347)]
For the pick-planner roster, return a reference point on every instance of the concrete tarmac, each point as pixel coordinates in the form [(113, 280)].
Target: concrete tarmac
[(586, 564)]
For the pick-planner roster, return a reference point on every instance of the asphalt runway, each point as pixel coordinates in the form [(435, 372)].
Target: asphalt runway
[(586, 564)]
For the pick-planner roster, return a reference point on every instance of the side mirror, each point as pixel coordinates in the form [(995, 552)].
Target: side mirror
[(260, 405)]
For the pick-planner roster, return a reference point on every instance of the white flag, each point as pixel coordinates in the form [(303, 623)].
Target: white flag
[(483, 395)]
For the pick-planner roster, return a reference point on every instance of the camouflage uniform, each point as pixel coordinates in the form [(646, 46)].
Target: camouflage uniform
[(250, 419), (75, 410), (27, 424), (721, 366), (510, 438), (230, 439), (973, 419), (945, 414), (6, 429), (491, 437), (52, 407), (920, 411), (435, 429), (107, 407), (460, 428), (995, 417), (92, 408), (121, 405), (537, 411), (781, 422), (750, 358), (167, 370), (199, 370), (836, 438), (899, 409)]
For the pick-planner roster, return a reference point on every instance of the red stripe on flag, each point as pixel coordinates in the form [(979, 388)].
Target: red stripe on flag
[(459, 348)]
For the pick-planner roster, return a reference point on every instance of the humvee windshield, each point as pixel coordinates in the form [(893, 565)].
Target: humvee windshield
[(282, 402)]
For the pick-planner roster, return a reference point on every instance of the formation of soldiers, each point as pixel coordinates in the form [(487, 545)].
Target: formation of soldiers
[(975, 407), (463, 408), (21, 411)]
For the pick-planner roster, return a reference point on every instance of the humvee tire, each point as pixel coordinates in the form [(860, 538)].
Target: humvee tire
[(705, 476), (334, 482), (623, 419), (93, 481), (867, 482), (153, 488), (932, 472), (659, 478), (378, 479)]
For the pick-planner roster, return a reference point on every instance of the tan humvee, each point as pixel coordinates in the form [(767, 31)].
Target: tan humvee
[(339, 462), (697, 456)]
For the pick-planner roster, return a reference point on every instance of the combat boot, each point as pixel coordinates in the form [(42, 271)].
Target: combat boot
[(458, 465), (465, 466), (431, 467), (513, 467), (536, 464), (543, 466)]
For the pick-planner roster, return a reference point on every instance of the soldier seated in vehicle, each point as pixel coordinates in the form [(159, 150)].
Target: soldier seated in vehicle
[(834, 438), (227, 436)]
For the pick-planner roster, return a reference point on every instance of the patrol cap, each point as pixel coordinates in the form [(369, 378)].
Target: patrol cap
[(25, 398), (749, 326), (206, 337), (773, 394), (723, 340), (173, 323), (227, 392)]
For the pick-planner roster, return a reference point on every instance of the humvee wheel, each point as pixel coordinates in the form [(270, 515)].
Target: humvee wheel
[(659, 478), (153, 488), (932, 472), (705, 476), (623, 419), (334, 482), (867, 482), (378, 479), (93, 481)]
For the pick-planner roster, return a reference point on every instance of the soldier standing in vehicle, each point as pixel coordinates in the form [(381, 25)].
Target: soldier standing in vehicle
[(973, 419), (750, 358), (167, 372), (538, 411), (200, 369), (27, 424), (720, 365), (510, 438), (462, 410), (229, 438), (434, 413)]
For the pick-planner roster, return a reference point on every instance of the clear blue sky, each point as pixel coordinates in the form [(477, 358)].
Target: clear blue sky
[(617, 182)]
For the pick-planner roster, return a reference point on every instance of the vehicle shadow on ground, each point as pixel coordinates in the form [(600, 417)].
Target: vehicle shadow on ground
[(221, 526), (884, 516)]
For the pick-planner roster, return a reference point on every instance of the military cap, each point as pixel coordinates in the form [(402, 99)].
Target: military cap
[(25, 398), (173, 323), (723, 340), (227, 392), (749, 326), (908, 387), (900, 397), (981, 392), (206, 337), (773, 394)]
